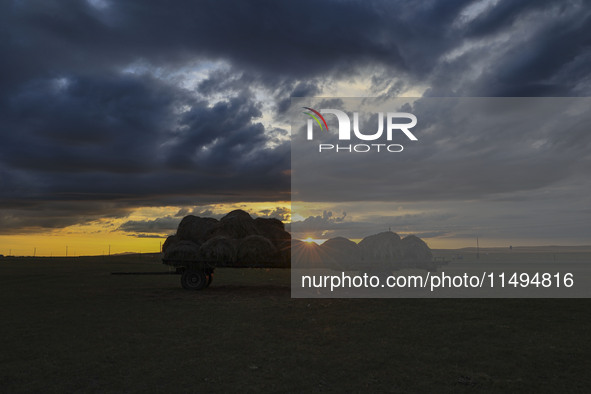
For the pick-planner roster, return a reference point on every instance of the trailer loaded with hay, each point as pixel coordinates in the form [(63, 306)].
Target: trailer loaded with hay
[(236, 240)]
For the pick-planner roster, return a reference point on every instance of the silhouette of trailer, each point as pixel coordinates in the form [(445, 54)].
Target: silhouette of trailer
[(198, 274), (202, 244)]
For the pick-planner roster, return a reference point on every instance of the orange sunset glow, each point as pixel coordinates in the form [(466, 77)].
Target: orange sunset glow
[(102, 236)]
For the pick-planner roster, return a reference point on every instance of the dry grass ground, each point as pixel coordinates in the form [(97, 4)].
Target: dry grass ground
[(67, 325)]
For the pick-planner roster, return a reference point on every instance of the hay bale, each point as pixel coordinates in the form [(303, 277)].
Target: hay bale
[(263, 223), (285, 252), (381, 253), (236, 214), (342, 253), (170, 241), (220, 249), (255, 249), (415, 249), (274, 230), (237, 224), (182, 251), (196, 229), (385, 246)]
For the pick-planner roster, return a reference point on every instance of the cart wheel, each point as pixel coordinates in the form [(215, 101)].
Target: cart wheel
[(194, 280), (209, 279)]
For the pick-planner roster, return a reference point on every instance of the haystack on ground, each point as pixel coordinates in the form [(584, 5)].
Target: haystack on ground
[(182, 251), (342, 253), (219, 249), (169, 243), (196, 229), (256, 249), (237, 224), (415, 249), (384, 246)]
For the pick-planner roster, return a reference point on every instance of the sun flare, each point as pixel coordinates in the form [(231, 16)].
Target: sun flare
[(314, 240)]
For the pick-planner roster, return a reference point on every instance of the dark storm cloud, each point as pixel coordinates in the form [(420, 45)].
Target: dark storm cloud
[(526, 48), (300, 38), (93, 105), (102, 123), (506, 13), (504, 167), (166, 224), (33, 215), (296, 39), (123, 137), (470, 148)]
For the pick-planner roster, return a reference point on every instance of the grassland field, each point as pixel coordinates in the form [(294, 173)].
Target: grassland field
[(68, 325)]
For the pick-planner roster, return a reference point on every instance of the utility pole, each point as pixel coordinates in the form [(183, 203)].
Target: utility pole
[(35, 252), (66, 250), (109, 250), (477, 248)]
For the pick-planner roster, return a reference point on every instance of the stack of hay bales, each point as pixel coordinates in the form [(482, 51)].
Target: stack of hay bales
[(256, 248), (235, 239), (169, 243), (239, 240), (219, 248), (235, 225), (382, 252), (415, 249), (182, 251), (196, 229), (378, 253)]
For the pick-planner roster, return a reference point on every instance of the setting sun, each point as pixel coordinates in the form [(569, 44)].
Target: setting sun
[(314, 240)]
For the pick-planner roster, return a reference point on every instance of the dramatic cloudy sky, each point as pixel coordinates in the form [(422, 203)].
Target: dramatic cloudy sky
[(511, 170), (119, 117)]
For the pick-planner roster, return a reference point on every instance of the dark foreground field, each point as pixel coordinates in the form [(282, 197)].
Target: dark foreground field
[(69, 326)]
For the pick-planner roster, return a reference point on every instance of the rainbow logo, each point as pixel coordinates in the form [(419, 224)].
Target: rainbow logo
[(315, 115)]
